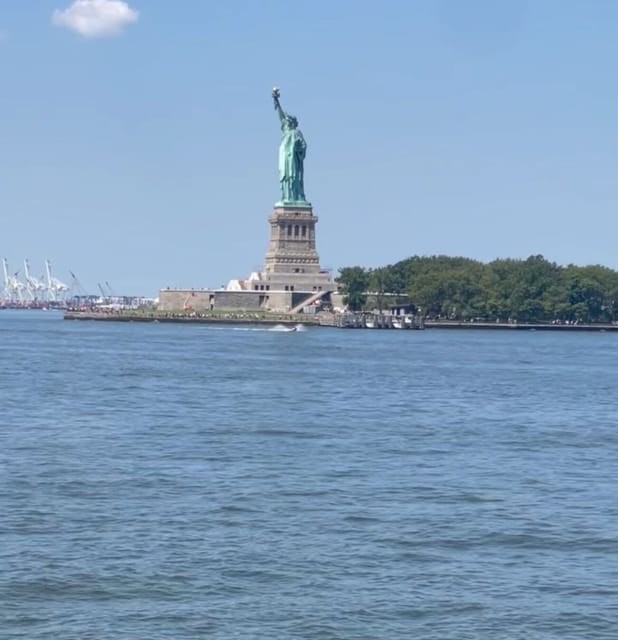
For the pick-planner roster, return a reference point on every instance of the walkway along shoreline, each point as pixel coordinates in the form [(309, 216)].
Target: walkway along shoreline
[(318, 320)]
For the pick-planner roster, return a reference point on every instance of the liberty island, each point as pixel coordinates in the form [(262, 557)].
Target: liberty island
[(292, 280), (293, 288)]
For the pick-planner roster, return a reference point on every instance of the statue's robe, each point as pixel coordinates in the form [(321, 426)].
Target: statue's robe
[(292, 151)]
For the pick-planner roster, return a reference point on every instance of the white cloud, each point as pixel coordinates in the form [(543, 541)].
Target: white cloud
[(95, 18)]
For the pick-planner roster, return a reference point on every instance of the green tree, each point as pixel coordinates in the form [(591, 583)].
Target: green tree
[(381, 282), (526, 290), (530, 290), (448, 287), (590, 293), (353, 283)]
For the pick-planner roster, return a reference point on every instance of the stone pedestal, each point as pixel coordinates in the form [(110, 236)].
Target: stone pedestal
[(292, 262)]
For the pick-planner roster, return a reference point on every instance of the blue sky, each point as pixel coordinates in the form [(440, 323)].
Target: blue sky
[(147, 156)]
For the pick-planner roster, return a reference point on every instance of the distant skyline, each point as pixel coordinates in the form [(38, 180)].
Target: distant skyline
[(140, 142)]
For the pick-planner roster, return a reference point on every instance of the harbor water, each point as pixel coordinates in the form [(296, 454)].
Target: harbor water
[(169, 481)]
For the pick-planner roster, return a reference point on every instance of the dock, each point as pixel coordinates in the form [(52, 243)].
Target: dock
[(375, 321)]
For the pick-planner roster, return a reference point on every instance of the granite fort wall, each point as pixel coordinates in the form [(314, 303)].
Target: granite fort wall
[(203, 300)]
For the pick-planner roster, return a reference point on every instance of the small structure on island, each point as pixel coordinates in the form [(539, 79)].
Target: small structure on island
[(292, 280)]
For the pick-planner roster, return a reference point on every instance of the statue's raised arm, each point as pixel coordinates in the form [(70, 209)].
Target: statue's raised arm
[(278, 109)]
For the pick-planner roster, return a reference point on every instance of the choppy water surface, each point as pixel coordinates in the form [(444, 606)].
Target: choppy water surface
[(163, 481)]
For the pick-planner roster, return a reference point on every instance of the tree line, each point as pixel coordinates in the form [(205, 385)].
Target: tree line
[(530, 290)]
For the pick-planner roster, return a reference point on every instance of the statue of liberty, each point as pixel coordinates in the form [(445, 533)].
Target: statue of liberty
[(292, 151)]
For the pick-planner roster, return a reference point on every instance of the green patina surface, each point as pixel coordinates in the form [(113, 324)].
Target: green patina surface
[(292, 152)]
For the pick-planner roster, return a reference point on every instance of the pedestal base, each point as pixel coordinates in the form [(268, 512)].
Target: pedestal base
[(292, 262)]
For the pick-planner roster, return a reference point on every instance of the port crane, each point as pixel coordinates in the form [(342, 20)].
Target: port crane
[(35, 287), (76, 285), (13, 288), (30, 290), (56, 289), (104, 299)]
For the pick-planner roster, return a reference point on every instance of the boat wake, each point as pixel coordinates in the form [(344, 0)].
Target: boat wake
[(278, 328), (281, 328)]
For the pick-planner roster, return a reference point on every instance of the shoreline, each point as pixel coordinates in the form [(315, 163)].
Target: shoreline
[(177, 318), (514, 326), (316, 321)]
